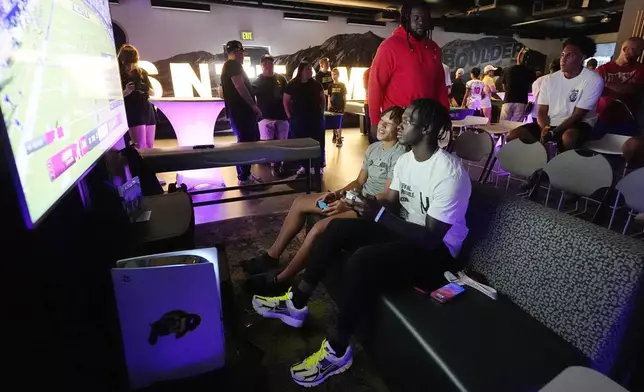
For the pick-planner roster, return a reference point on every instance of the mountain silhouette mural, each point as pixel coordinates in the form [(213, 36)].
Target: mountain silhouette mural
[(348, 50)]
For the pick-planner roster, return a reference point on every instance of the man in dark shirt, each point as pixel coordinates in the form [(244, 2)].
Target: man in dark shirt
[(517, 82), (241, 108), (458, 87), (269, 91)]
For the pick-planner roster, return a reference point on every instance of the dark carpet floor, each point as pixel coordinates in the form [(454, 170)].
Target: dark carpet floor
[(282, 345)]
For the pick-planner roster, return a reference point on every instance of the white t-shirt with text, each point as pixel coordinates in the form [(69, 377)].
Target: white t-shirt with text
[(563, 95), (476, 100), (439, 187)]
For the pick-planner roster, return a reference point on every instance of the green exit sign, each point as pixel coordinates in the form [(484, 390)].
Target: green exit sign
[(247, 35)]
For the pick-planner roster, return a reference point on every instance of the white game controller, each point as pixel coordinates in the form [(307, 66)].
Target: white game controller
[(353, 196)]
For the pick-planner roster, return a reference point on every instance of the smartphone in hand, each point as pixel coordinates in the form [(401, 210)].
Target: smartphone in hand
[(322, 205)]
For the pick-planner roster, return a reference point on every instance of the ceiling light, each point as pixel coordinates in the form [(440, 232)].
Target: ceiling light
[(578, 19), (305, 18)]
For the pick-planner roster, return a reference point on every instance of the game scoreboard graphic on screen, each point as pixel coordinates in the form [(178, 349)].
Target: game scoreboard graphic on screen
[(61, 95)]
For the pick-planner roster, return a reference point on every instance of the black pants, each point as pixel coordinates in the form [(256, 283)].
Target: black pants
[(303, 127), (246, 129), (367, 125), (380, 260)]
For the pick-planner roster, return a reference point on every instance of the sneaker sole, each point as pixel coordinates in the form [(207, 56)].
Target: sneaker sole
[(342, 369), (286, 319)]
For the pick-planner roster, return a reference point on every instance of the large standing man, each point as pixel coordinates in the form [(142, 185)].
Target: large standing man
[(407, 65), (241, 108)]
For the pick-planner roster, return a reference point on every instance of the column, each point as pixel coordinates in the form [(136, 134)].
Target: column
[(632, 23)]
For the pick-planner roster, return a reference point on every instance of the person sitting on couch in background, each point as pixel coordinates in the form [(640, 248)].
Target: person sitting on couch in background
[(567, 100), (431, 189), (373, 180)]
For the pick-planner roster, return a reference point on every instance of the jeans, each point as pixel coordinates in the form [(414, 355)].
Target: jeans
[(380, 260), (310, 127), (246, 129)]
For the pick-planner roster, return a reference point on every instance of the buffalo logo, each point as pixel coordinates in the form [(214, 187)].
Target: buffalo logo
[(574, 94), (176, 322)]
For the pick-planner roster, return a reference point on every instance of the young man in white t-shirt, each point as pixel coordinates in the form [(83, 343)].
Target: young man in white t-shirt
[(567, 100), (412, 236)]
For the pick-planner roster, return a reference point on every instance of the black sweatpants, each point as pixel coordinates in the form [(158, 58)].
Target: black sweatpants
[(306, 127), (246, 129), (380, 260)]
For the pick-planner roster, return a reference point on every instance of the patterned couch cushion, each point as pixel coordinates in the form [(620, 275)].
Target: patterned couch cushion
[(577, 278)]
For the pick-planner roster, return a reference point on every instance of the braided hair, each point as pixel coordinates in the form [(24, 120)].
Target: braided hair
[(395, 112), (434, 117), (405, 18)]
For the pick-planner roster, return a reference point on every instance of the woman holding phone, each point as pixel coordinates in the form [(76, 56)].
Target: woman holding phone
[(136, 93)]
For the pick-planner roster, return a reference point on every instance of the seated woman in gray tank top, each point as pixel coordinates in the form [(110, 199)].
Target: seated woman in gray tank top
[(373, 180)]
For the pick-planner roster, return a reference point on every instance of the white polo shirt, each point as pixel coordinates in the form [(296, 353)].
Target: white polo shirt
[(439, 187), (563, 95)]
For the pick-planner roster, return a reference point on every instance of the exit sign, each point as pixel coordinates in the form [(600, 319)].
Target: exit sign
[(247, 35)]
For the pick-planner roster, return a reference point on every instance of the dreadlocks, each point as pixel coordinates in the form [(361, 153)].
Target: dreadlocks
[(434, 117), (395, 112)]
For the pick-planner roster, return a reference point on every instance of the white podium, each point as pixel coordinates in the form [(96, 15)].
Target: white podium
[(170, 313), (193, 120)]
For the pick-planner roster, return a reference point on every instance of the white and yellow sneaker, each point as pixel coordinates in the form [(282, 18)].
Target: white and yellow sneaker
[(280, 307), (323, 364)]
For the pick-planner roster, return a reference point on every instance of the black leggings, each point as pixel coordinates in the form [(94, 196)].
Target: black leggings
[(380, 260)]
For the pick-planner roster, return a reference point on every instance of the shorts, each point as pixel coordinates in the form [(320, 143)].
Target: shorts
[(143, 113), (333, 120), (273, 129), (588, 132)]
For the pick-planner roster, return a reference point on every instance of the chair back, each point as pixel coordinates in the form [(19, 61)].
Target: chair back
[(473, 146), (609, 143), (471, 121), (522, 159), (580, 175), (632, 187)]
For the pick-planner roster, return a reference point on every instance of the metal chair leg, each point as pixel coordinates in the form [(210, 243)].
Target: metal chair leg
[(628, 221), (612, 216), (561, 199)]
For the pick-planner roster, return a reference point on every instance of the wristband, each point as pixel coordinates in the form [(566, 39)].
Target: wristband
[(382, 211)]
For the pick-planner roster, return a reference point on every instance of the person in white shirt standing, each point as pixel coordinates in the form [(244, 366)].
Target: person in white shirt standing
[(477, 95), (415, 232), (448, 78), (567, 100)]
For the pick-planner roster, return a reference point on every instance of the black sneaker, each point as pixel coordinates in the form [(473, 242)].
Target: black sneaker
[(260, 264), (266, 284)]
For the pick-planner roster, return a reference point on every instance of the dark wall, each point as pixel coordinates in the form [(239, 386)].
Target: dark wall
[(60, 309)]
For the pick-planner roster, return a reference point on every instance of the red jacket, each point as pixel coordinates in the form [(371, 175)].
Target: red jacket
[(404, 70)]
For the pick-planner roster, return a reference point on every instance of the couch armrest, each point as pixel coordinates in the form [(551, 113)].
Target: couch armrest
[(470, 344)]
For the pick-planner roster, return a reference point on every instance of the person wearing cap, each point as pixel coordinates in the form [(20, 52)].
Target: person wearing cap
[(241, 108), (458, 87), (489, 80), (269, 90), (517, 81), (407, 65)]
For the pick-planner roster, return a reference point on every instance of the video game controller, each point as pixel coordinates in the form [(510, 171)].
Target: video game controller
[(353, 196)]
